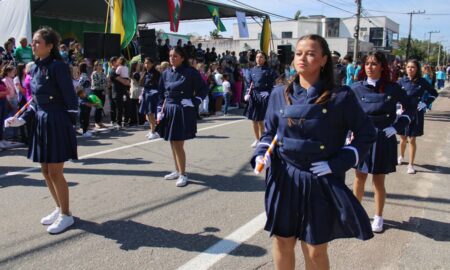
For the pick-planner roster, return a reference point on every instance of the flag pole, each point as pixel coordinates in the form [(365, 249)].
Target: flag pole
[(108, 3)]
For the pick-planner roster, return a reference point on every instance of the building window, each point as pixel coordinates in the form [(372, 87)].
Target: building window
[(376, 36), (286, 34)]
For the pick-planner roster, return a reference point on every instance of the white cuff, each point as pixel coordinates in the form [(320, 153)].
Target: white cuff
[(354, 151), (72, 111), (31, 106), (262, 143), (199, 98)]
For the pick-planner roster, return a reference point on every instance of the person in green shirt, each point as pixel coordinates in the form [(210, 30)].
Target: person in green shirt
[(23, 53)]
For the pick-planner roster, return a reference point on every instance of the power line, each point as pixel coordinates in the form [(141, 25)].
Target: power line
[(260, 10), (335, 7)]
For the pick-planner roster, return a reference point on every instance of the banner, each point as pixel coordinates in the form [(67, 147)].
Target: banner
[(266, 35), (216, 18), (124, 20), (242, 24), (174, 13), (15, 20)]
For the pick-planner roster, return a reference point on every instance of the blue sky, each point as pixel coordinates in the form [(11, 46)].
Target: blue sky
[(421, 23)]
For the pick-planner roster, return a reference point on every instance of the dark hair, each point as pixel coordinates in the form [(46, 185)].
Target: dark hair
[(348, 57), (113, 59), (385, 71), (80, 91), (149, 59), (225, 76), (82, 67), (326, 75), (181, 52), (133, 67), (20, 73), (7, 69), (7, 43), (50, 36), (419, 69), (122, 61), (155, 73)]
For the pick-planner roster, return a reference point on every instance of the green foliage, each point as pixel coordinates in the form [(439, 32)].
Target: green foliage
[(419, 50), (214, 34)]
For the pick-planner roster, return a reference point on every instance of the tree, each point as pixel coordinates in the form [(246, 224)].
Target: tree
[(298, 15), (214, 34)]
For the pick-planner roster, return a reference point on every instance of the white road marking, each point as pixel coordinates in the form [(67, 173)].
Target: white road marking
[(218, 251), (113, 150)]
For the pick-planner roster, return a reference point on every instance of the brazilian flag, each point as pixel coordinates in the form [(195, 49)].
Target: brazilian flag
[(216, 18), (124, 20)]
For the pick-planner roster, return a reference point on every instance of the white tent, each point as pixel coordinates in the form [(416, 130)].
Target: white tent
[(15, 20)]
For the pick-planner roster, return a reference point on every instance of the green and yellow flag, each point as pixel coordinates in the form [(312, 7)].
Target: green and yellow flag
[(124, 20), (266, 35), (216, 18)]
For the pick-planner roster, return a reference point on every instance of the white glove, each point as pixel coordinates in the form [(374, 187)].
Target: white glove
[(389, 132), (422, 105), (14, 122), (260, 160), (159, 116), (399, 112), (320, 168), (187, 103), (247, 97), (264, 94)]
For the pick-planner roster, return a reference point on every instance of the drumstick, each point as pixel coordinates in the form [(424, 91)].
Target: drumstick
[(260, 166), (19, 112)]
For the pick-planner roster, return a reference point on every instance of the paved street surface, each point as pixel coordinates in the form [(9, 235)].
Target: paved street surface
[(129, 217)]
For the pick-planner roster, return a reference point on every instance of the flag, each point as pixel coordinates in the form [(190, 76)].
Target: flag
[(124, 20), (216, 18), (242, 24), (174, 13), (265, 36)]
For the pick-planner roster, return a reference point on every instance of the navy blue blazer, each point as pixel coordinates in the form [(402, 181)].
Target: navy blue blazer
[(180, 83), (319, 131), (382, 107), (52, 88), (415, 90)]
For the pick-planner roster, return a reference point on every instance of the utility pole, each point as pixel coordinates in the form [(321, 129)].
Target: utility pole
[(429, 42), (408, 46), (358, 17)]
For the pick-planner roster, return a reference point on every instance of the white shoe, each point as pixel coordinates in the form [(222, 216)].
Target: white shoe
[(148, 134), (87, 134), (48, 220), (61, 223), (153, 136), (411, 169), (399, 160), (254, 144), (182, 181), (377, 224), (172, 176)]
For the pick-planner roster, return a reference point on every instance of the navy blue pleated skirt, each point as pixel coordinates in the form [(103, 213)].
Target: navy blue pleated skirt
[(149, 102), (53, 138), (313, 209), (179, 123), (257, 107), (382, 157), (415, 128)]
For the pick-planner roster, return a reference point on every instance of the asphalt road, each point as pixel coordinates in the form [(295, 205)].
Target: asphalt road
[(129, 217)]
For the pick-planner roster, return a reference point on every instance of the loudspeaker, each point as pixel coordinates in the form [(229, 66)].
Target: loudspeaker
[(112, 45), (147, 44), (285, 54), (93, 45), (101, 45)]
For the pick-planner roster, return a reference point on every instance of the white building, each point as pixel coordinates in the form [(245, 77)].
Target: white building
[(376, 32)]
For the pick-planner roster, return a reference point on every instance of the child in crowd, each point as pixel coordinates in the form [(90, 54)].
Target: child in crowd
[(3, 102), (135, 92), (99, 85), (122, 69), (8, 74), (226, 86), (85, 112)]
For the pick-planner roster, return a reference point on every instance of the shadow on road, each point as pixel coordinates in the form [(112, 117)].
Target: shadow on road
[(26, 182), (433, 169), (411, 198), (438, 116), (131, 235), (127, 161), (211, 137), (436, 230)]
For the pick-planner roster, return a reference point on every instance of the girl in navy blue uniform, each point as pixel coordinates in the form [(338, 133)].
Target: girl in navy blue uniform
[(378, 97), (54, 108), (150, 96), (261, 80), (306, 196), (415, 87), (183, 89)]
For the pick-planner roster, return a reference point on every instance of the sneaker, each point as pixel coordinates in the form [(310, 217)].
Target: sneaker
[(399, 160), (172, 176), (182, 181), (254, 144), (87, 134), (411, 169), (377, 224), (61, 223), (153, 136), (2, 145), (48, 220)]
